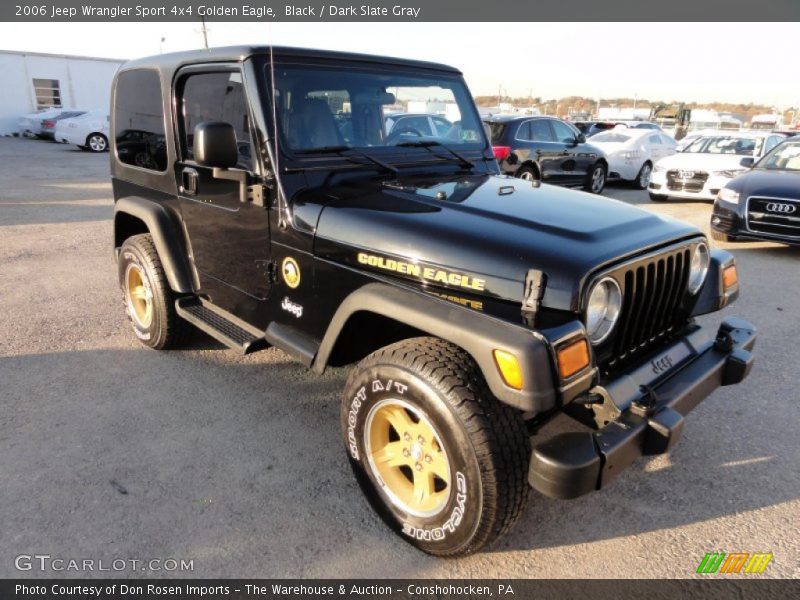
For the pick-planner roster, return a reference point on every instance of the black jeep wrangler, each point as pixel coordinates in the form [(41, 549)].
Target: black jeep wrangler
[(267, 205)]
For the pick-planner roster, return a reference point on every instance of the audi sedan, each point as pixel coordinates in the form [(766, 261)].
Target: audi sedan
[(709, 163), (764, 202)]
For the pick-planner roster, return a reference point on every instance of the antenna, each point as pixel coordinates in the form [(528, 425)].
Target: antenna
[(283, 208)]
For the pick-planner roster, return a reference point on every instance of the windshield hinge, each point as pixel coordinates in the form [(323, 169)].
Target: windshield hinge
[(535, 282)]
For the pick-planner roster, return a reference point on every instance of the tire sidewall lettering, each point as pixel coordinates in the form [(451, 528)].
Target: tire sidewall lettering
[(459, 519)]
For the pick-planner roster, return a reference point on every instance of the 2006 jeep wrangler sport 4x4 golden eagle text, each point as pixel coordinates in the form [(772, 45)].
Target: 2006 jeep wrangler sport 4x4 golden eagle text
[(349, 209)]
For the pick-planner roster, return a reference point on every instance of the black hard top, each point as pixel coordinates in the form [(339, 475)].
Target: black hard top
[(175, 60)]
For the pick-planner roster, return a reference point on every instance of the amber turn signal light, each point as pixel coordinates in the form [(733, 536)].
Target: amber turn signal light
[(509, 368), (573, 358), (729, 277)]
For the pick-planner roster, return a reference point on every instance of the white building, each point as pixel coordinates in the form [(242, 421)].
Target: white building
[(31, 81)]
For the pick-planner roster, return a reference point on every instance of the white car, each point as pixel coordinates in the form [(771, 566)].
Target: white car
[(632, 152), (703, 168), (88, 131), (30, 125)]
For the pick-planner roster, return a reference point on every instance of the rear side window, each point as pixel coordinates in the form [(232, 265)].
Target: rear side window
[(541, 131), (139, 120)]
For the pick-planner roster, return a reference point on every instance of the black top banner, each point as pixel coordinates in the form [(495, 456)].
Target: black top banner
[(677, 11)]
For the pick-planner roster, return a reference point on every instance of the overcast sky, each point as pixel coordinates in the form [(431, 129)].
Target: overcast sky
[(735, 62)]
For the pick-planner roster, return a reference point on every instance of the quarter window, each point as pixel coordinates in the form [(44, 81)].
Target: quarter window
[(139, 120), (48, 93), (217, 97)]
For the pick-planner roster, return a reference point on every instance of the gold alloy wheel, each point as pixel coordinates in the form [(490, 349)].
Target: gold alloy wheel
[(408, 457), (139, 296)]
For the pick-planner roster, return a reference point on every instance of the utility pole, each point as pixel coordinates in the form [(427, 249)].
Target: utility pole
[(204, 30)]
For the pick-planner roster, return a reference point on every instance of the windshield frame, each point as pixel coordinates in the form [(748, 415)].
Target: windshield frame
[(397, 155)]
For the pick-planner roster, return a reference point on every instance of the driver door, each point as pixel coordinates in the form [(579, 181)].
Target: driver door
[(230, 239)]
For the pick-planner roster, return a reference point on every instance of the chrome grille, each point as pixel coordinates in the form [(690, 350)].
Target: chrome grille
[(775, 216)]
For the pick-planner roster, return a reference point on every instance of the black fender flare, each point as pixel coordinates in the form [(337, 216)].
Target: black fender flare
[(166, 237), (478, 334)]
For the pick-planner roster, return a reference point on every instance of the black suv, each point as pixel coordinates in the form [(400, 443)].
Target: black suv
[(278, 211), (549, 150)]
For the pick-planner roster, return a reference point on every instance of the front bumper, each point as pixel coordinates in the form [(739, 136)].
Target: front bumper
[(709, 191), (650, 404)]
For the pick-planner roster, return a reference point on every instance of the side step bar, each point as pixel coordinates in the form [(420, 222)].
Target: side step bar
[(220, 325)]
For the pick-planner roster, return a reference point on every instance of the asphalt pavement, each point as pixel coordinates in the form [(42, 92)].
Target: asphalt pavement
[(111, 451)]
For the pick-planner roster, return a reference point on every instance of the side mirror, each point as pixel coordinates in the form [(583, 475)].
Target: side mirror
[(581, 139), (215, 145), (748, 161)]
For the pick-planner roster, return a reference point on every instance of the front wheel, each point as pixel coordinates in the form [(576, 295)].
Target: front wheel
[(657, 197), (596, 179), (643, 178), (440, 459)]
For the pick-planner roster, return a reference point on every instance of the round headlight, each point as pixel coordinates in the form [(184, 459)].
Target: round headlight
[(699, 267), (602, 310)]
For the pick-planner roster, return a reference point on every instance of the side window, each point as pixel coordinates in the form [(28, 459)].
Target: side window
[(217, 97), (442, 126), (541, 131), (773, 141), (564, 133), (139, 120), (417, 124)]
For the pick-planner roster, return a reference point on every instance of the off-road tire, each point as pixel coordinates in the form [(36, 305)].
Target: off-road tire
[(658, 197), (596, 179), (166, 329), (486, 443)]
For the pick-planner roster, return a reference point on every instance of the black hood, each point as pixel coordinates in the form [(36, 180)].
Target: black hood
[(768, 182), (492, 227)]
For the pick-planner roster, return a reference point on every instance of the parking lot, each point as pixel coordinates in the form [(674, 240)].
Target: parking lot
[(113, 451)]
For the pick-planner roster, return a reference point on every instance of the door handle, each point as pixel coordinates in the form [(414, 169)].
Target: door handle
[(189, 179)]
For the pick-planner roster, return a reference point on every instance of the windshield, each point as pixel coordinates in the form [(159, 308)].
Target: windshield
[(785, 157), (330, 108), (718, 144)]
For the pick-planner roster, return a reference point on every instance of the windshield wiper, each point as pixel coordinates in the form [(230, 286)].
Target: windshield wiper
[(428, 144), (348, 150)]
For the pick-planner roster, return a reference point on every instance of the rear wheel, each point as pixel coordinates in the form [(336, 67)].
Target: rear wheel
[(440, 459), (657, 197), (97, 142), (149, 301), (596, 179), (528, 173), (643, 178)]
